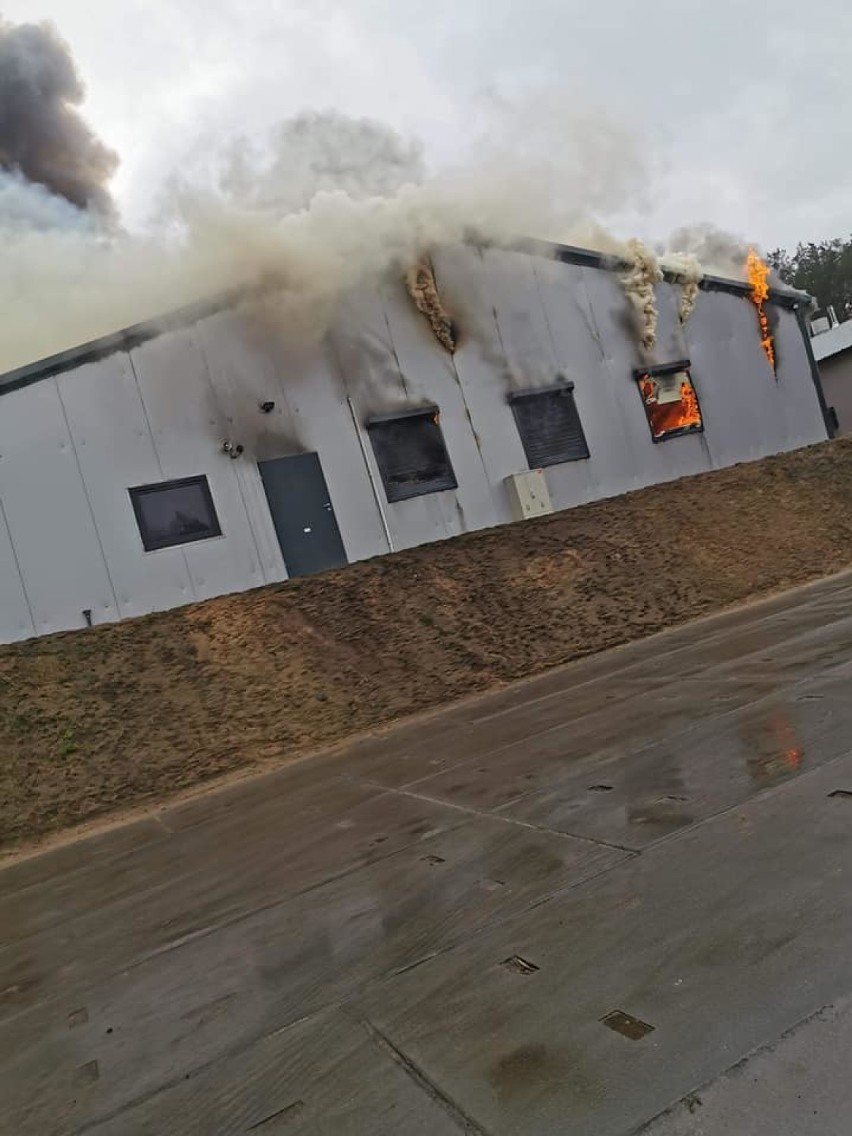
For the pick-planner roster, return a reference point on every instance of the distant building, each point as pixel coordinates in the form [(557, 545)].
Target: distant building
[(832, 347), (202, 455)]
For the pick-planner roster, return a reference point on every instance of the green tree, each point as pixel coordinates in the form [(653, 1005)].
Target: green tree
[(823, 269)]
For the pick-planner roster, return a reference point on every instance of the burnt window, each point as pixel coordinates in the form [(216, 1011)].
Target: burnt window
[(175, 512), (549, 425), (670, 401), (411, 454)]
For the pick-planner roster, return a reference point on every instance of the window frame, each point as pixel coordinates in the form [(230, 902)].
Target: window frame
[(152, 544), (394, 492), (566, 386), (662, 371)]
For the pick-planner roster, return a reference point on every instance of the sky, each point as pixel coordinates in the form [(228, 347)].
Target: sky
[(739, 108)]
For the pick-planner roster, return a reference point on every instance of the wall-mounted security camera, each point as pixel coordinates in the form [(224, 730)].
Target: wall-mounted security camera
[(231, 450), (267, 407)]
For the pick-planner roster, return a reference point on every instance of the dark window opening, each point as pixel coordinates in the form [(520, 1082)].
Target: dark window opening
[(671, 404), (549, 425), (175, 512), (411, 454)]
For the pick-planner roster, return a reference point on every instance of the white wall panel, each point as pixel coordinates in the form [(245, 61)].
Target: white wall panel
[(468, 281), (16, 620), (187, 427), (430, 376), (802, 414), (48, 514), (116, 452), (836, 373), (367, 358), (243, 377), (313, 387)]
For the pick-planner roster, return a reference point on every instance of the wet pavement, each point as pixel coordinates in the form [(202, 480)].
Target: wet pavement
[(608, 900)]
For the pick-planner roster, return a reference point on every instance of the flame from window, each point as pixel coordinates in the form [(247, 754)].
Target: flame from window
[(757, 273), (666, 417)]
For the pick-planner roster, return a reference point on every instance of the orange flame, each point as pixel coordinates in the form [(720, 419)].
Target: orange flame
[(667, 416), (691, 415), (757, 273)]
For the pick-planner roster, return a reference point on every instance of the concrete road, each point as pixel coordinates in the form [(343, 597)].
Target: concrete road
[(609, 900)]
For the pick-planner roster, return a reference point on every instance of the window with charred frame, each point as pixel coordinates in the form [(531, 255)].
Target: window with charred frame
[(549, 425), (411, 454), (670, 401), (175, 512)]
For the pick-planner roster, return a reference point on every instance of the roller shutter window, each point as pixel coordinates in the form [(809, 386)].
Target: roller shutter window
[(411, 454), (549, 425)]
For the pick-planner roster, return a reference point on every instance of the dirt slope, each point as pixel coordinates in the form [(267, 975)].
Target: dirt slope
[(95, 720)]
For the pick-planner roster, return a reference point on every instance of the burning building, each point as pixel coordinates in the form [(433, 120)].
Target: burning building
[(200, 455)]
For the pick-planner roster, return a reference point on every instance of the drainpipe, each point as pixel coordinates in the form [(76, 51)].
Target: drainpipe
[(827, 415), (373, 484)]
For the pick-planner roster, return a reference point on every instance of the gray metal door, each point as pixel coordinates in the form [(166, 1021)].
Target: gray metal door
[(302, 514)]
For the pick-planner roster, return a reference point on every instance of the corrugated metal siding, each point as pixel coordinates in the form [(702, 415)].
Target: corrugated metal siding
[(71, 446)]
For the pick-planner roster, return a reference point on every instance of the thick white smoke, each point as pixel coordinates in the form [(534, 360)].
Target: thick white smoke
[(639, 282), (719, 253), (688, 273), (356, 204)]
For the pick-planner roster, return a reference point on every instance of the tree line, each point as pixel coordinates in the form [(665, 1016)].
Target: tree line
[(822, 269)]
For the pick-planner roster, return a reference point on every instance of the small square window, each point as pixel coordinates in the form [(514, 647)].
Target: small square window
[(549, 425), (671, 404), (175, 512), (411, 454)]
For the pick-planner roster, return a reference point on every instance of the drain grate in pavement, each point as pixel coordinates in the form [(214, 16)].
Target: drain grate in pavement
[(840, 793), (627, 1025), (521, 965), (600, 788)]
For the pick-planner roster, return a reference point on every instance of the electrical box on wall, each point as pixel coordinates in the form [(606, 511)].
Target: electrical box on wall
[(528, 494)]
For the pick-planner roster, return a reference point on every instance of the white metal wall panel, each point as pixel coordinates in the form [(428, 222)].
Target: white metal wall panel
[(115, 451), (576, 328), (836, 373), (316, 393), (48, 514), (187, 428), (732, 386), (16, 621), (430, 376), (802, 413), (243, 377), (368, 363), (662, 461), (748, 412), (466, 280)]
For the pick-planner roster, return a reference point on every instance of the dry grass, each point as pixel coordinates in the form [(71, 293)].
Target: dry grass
[(96, 720)]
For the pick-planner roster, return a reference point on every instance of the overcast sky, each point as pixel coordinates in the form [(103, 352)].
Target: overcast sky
[(742, 108)]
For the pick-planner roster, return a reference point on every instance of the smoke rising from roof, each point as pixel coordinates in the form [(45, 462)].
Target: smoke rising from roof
[(716, 251), (318, 152), (42, 135), (357, 205)]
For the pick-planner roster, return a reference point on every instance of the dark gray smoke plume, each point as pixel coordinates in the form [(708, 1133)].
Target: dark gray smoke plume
[(42, 135)]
